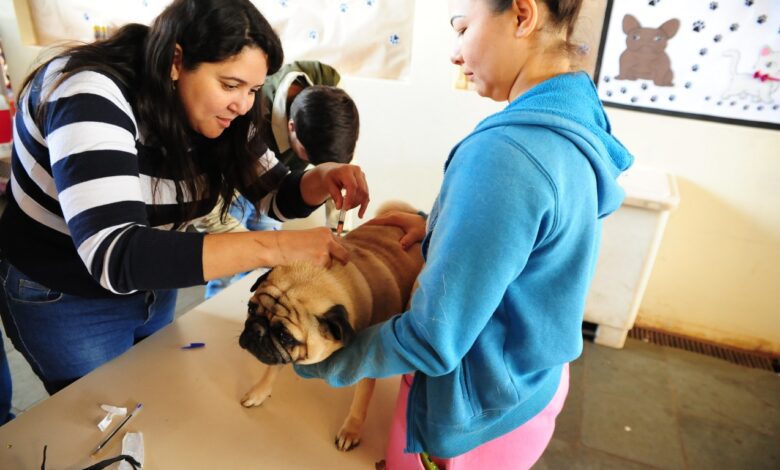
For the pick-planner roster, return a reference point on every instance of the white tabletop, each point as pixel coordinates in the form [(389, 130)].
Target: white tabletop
[(191, 416)]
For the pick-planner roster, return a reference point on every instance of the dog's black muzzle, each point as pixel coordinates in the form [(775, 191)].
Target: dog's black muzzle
[(258, 339)]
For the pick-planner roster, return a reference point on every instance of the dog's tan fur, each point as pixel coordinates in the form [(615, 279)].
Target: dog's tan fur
[(300, 299)]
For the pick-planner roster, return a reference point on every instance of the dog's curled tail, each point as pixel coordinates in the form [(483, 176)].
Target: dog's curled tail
[(395, 206)]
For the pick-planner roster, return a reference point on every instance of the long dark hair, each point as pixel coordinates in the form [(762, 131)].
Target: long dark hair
[(141, 57)]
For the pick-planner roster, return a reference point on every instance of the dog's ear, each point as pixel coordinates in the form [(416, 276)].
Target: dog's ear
[(630, 23), (334, 323), (259, 281), (670, 27)]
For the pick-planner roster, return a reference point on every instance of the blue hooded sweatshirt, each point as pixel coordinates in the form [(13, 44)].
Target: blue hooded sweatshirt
[(512, 243)]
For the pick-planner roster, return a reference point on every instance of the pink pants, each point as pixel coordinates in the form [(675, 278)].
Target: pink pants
[(519, 449)]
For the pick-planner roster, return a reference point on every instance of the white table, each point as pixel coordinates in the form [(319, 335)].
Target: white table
[(191, 416)]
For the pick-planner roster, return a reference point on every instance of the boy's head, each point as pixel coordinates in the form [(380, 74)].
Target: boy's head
[(323, 125)]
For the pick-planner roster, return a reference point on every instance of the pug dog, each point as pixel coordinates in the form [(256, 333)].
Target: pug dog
[(301, 314)]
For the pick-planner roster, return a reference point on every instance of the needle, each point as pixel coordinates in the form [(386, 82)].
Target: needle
[(342, 215)]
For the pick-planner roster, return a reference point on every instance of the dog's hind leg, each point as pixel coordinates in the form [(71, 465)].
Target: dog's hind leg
[(349, 435), (262, 389)]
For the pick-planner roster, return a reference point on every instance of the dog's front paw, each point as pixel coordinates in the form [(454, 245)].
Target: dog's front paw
[(262, 389), (255, 396), (349, 435)]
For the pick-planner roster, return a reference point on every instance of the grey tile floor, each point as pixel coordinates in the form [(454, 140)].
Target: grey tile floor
[(655, 407), (642, 407)]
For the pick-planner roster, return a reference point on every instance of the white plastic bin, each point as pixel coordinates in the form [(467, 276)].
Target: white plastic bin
[(630, 240)]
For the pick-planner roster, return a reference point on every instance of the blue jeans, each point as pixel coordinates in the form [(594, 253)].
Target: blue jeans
[(6, 388), (64, 336), (244, 211)]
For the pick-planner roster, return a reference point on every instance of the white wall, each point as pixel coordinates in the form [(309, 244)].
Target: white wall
[(717, 275), (19, 55), (409, 127)]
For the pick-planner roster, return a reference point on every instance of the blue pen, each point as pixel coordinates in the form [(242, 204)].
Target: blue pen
[(194, 346)]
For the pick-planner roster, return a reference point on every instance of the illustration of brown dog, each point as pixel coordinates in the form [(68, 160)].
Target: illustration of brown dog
[(645, 55)]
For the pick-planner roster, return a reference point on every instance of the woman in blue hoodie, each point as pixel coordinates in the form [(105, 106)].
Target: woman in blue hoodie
[(510, 247)]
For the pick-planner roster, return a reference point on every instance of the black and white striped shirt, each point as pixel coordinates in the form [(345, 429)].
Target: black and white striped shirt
[(82, 217)]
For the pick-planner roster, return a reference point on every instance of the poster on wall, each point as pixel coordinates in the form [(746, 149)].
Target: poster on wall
[(362, 38), (717, 60)]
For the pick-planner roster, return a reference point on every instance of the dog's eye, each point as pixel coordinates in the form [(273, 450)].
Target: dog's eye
[(287, 339)]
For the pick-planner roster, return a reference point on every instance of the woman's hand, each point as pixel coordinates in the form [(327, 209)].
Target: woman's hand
[(318, 246), (413, 226), (225, 254), (328, 179)]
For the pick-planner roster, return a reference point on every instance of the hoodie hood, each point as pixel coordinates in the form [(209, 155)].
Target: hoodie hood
[(578, 116)]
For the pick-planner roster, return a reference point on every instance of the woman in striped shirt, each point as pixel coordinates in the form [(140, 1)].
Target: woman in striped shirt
[(118, 146)]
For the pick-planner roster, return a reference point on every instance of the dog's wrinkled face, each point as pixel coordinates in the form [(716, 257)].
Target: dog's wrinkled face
[(297, 314)]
